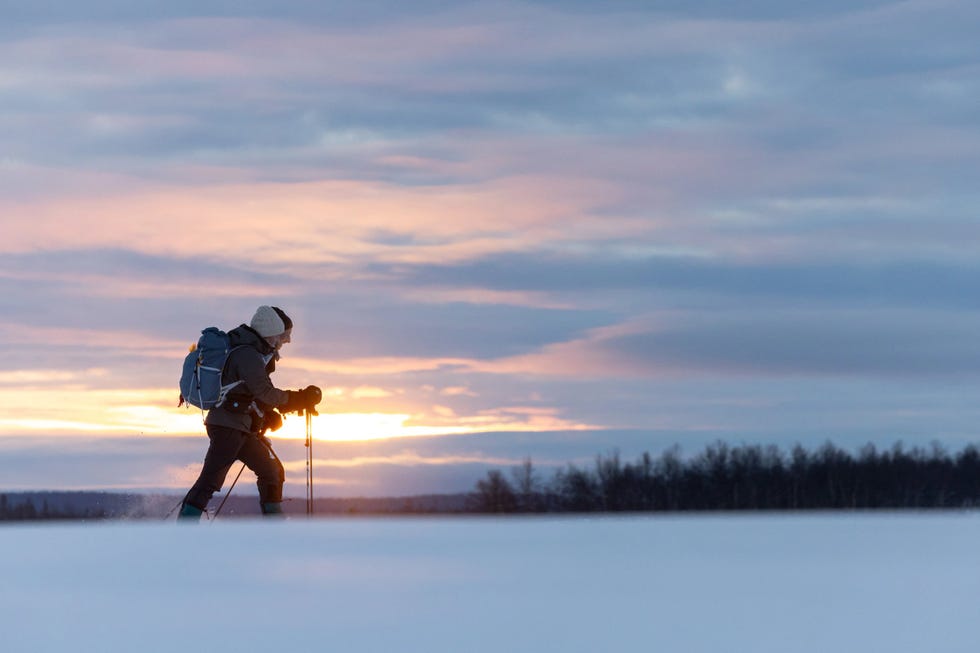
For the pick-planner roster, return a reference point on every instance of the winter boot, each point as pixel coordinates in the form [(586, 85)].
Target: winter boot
[(189, 513), (272, 509)]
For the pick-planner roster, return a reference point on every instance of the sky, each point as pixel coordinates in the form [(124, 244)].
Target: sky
[(502, 229)]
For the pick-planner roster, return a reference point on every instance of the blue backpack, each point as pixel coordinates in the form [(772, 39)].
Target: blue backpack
[(200, 380)]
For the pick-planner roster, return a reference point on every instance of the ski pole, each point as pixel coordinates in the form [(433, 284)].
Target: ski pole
[(173, 510), (228, 493), (309, 462)]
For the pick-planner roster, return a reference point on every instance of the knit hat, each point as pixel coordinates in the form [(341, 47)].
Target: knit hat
[(285, 318), (267, 322)]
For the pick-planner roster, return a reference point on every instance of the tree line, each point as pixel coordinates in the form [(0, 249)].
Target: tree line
[(746, 477), (27, 510)]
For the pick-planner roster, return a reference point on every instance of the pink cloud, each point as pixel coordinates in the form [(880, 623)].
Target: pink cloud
[(40, 336), (322, 222), (584, 357)]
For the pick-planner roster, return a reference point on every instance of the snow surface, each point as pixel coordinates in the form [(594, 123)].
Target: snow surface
[(754, 583)]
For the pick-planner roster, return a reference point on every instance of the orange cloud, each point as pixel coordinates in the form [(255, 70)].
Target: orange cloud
[(403, 458), (70, 407), (70, 410), (323, 222), (143, 344), (48, 378), (583, 357)]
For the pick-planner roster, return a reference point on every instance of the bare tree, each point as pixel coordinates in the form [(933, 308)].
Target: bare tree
[(527, 487), (494, 494)]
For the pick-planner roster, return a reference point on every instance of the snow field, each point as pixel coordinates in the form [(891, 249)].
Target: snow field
[(710, 583)]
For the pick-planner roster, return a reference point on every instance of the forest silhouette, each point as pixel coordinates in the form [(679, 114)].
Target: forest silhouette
[(719, 478), (747, 477)]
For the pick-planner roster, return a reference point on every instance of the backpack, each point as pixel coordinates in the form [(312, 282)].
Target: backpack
[(200, 380)]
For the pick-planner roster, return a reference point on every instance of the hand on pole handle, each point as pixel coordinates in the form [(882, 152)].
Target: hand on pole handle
[(312, 395), (305, 400)]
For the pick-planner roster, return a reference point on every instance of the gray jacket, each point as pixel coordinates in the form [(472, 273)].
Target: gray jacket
[(251, 363)]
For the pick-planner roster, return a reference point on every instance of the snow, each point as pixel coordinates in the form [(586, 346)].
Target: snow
[(713, 583)]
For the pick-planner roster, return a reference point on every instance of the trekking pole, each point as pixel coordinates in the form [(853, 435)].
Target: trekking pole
[(173, 510), (309, 462), (228, 493)]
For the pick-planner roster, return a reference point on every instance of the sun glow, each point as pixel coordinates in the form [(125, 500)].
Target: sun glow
[(348, 426), (340, 427), (345, 427), (150, 412)]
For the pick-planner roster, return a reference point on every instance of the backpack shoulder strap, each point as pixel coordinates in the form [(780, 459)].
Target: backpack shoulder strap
[(226, 388)]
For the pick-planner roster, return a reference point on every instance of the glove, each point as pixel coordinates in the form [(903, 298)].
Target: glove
[(300, 400), (311, 397), (272, 421)]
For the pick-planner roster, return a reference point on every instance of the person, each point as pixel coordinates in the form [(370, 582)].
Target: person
[(237, 426)]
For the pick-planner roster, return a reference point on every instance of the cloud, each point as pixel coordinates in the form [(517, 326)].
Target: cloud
[(912, 282), (790, 343), (343, 329), (283, 226), (114, 273), (715, 218), (842, 342), (386, 76), (34, 379), (626, 116), (316, 90)]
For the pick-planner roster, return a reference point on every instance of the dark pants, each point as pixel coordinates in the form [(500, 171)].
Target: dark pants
[(227, 446)]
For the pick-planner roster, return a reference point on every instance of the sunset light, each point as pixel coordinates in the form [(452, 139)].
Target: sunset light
[(501, 230), (152, 413), (376, 426), (354, 309)]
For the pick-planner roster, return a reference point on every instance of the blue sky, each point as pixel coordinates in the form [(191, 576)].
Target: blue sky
[(503, 229)]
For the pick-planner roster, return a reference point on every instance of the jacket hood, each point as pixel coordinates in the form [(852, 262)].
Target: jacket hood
[(249, 337)]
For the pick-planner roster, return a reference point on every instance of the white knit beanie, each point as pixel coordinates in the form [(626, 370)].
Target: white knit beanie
[(267, 322)]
